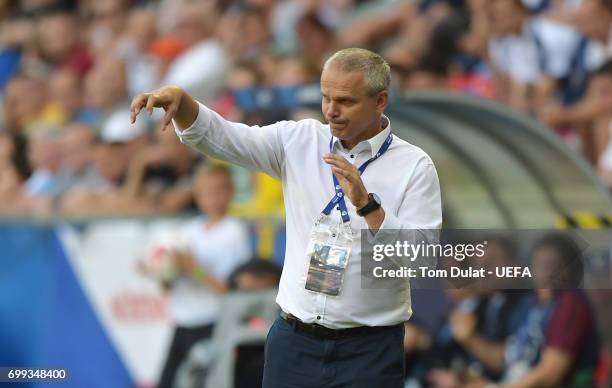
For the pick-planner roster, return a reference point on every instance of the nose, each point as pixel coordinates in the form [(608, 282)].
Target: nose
[(332, 110)]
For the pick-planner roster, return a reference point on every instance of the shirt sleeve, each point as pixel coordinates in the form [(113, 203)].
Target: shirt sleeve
[(254, 147), (421, 207), (419, 216), (570, 324)]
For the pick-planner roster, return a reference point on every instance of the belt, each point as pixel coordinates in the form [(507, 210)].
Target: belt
[(327, 333)]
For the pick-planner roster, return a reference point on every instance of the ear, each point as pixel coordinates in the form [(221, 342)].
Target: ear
[(382, 99)]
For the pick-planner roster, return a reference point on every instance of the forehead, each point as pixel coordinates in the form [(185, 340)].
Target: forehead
[(336, 81), (212, 178)]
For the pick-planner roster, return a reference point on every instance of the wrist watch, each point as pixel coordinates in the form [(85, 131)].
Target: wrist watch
[(372, 205)]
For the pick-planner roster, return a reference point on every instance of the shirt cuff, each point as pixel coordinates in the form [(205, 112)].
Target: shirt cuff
[(196, 131), (390, 222)]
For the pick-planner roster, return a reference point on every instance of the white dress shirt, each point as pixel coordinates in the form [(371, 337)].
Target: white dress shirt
[(404, 178)]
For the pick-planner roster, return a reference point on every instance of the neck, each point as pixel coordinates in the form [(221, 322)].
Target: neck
[(545, 294), (213, 219), (350, 143), (604, 35)]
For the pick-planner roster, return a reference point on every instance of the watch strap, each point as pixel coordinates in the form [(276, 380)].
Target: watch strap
[(371, 206)]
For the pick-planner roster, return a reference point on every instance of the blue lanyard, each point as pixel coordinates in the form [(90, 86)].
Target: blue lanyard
[(338, 198)]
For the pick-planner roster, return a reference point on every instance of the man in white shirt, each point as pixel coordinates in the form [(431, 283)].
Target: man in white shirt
[(336, 333)]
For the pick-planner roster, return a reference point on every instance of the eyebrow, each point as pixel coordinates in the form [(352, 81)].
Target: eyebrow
[(341, 98)]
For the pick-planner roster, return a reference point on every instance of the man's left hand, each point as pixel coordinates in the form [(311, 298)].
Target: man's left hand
[(349, 179)]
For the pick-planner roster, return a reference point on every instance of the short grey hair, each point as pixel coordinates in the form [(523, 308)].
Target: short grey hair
[(376, 71)]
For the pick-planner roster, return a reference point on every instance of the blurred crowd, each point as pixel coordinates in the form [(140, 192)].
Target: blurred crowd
[(68, 69), (485, 337)]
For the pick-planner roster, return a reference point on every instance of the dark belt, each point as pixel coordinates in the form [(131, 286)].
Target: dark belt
[(327, 333)]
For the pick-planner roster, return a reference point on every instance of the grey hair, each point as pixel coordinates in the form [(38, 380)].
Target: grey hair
[(376, 71)]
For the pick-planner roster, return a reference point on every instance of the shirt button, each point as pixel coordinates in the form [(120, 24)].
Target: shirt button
[(337, 207), (352, 156), (318, 317)]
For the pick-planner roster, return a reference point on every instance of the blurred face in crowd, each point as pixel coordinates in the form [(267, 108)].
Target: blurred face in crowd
[(315, 39), (293, 71), (420, 79), (593, 19), (497, 255), (65, 89), (214, 192), (109, 16), (141, 27), (255, 32), (241, 77), (30, 5), (546, 264), (44, 153), (58, 36), (552, 270), (77, 144), (105, 84), (112, 159), (196, 22), (250, 281), (352, 114), (506, 16), (24, 98)]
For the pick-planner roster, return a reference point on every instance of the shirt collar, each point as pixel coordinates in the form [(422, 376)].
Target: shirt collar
[(373, 144)]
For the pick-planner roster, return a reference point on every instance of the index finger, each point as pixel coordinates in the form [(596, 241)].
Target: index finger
[(336, 160), (138, 103), (334, 157)]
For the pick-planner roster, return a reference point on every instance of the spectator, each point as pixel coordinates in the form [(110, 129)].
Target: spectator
[(602, 126), (141, 67), (14, 34), (255, 274), (217, 245), (58, 39), (202, 67), (14, 170), (106, 94), (525, 50), (590, 117), (557, 345), (27, 109), (107, 187), (316, 40), (78, 144), (65, 90), (160, 175), (593, 19), (45, 186), (495, 314), (108, 20)]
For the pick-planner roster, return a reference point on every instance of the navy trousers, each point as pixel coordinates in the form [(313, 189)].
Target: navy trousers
[(294, 359)]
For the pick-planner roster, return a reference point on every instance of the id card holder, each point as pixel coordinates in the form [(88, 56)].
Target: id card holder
[(327, 256)]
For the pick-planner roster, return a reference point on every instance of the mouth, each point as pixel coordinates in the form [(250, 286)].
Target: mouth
[(337, 125)]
